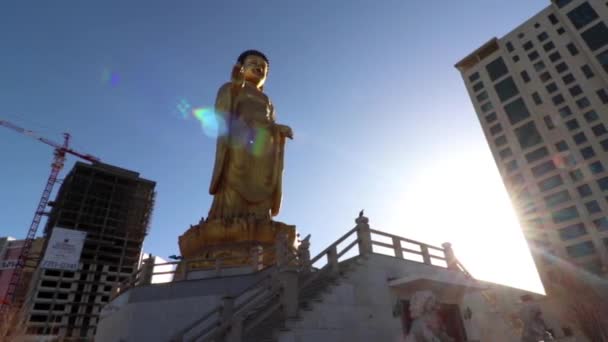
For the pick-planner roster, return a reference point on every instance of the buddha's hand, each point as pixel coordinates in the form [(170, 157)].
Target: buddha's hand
[(285, 131)]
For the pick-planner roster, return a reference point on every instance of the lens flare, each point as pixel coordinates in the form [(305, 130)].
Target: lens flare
[(213, 125), (183, 107), (259, 141), (110, 77)]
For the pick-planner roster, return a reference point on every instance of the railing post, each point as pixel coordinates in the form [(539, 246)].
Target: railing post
[(332, 259), (288, 278), (282, 250), (227, 308), (426, 257), (235, 331), (218, 267), (257, 258), (147, 271), (450, 258), (397, 247), (183, 270), (364, 235), (304, 255)]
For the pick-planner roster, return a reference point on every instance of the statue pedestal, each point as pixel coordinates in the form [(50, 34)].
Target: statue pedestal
[(222, 243)]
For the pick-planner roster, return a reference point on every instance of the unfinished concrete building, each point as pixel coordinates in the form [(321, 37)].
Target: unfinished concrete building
[(113, 206)]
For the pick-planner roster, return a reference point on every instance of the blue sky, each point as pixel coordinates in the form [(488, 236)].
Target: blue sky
[(381, 118)]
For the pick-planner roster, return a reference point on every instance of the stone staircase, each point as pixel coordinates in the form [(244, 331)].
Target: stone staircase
[(293, 286), (268, 328)]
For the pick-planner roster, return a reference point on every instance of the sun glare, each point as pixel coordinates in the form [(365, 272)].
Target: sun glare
[(463, 201)]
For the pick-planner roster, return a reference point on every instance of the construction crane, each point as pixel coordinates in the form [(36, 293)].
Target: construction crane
[(59, 158)]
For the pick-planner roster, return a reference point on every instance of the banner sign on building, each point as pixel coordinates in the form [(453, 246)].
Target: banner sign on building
[(63, 250), (8, 264)]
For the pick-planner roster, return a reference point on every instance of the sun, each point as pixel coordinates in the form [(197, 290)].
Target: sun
[(462, 200)]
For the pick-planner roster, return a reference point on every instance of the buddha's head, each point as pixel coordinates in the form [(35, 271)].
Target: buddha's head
[(252, 66)]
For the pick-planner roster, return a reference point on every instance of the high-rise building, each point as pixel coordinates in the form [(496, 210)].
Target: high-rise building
[(113, 206), (541, 95)]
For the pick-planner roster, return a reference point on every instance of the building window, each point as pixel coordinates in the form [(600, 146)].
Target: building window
[(593, 207), (533, 56), (545, 76), (537, 154), (568, 79), (596, 37), (551, 87), (562, 3), (572, 49), (516, 111), (580, 138), (501, 140), (603, 95), (564, 215), (516, 180), (583, 103), (603, 59), (601, 224), (506, 153), (510, 47), (584, 190), (599, 130), (491, 118), (587, 71), (528, 135), (596, 167), (588, 152), (482, 96), (543, 169), (553, 19), (575, 91), (515, 58), (549, 122), (474, 77), (582, 15), (525, 76), (591, 116), (543, 36), (528, 45), (561, 31), (496, 69), (478, 86), (539, 66), (565, 112), (604, 144), (561, 146), (558, 99), (549, 46), (554, 57), (561, 67), (536, 98), (486, 107), (572, 124), (576, 175), (581, 249), (557, 198), (603, 183), (572, 231), (550, 183), (506, 89), (511, 166)]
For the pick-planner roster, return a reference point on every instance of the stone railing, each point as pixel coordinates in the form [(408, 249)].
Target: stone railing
[(295, 272), (180, 268)]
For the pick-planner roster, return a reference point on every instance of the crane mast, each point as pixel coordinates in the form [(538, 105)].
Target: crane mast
[(59, 156)]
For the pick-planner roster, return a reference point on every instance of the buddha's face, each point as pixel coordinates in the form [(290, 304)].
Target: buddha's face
[(255, 70)]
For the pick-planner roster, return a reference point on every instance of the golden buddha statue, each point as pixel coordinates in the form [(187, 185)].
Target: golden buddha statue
[(247, 176)]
